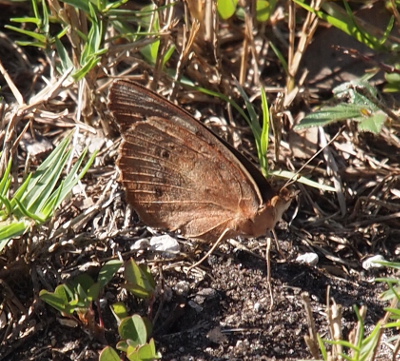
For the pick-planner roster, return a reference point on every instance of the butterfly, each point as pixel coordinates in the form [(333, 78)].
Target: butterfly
[(179, 175)]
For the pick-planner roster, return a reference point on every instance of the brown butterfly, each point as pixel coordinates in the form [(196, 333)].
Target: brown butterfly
[(179, 175)]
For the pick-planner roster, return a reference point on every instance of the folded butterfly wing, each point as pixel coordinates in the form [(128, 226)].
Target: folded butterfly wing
[(180, 175)]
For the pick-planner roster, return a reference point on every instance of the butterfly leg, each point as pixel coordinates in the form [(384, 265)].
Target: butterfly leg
[(212, 249)]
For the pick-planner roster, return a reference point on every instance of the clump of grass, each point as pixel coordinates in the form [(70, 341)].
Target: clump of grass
[(41, 194), (360, 345)]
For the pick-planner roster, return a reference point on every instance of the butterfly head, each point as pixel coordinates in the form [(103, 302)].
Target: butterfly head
[(281, 202), (270, 213)]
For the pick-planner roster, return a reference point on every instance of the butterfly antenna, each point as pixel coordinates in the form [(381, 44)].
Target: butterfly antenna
[(297, 175)]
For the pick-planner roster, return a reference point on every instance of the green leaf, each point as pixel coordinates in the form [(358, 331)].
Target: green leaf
[(83, 280), (139, 279), (227, 8), (20, 191), (148, 352), (132, 353), (82, 299), (281, 57), (45, 24), (391, 264), (59, 299), (374, 123), (119, 310), (86, 67), (150, 51), (322, 347), (7, 204), (362, 106), (114, 5), (134, 330), (330, 115), (94, 292), (72, 179), (152, 345), (253, 122), (168, 54), (108, 271), (370, 119), (123, 345), (109, 354), (369, 344), (52, 203), (43, 181), (393, 81), (29, 214), (31, 43), (94, 38), (36, 199), (265, 9)]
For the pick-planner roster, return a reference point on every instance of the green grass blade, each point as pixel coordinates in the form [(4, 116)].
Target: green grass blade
[(264, 138), (6, 203), (36, 198), (79, 4), (39, 37), (29, 214), (73, 177), (12, 230), (293, 176), (281, 57), (19, 194), (6, 180), (52, 203), (32, 20), (46, 176), (344, 21), (66, 62)]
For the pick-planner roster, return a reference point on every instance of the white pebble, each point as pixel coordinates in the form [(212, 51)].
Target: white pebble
[(166, 244), (370, 262), (308, 258)]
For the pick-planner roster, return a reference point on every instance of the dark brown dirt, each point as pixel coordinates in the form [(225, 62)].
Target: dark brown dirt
[(222, 314)]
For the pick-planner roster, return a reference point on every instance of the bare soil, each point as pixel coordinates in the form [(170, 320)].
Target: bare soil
[(222, 312)]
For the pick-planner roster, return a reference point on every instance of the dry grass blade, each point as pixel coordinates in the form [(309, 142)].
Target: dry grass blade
[(311, 339), (309, 27)]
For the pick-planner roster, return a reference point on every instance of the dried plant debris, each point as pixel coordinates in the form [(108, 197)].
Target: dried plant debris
[(340, 234)]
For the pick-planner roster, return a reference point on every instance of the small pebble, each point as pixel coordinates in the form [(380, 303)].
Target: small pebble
[(257, 307), (166, 244), (310, 259), (182, 288), (140, 244), (195, 306), (370, 262)]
